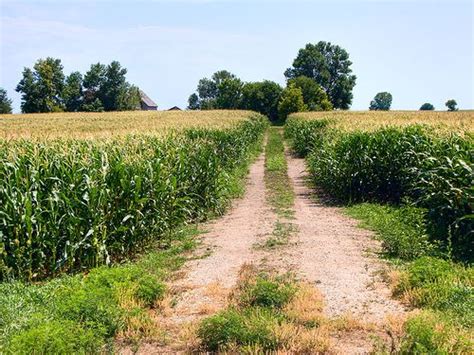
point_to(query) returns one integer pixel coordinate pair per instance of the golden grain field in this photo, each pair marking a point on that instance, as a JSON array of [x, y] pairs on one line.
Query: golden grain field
[[442, 122], [82, 125]]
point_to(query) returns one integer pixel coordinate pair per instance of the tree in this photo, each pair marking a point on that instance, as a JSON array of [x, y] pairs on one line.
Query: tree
[[42, 87], [229, 93], [193, 102], [313, 95], [262, 97], [114, 87], [427, 107], [106, 89], [222, 91], [93, 84], [451, 105], [381, 102], [329, 66], [5, 102], [72, 94], [291, 101]]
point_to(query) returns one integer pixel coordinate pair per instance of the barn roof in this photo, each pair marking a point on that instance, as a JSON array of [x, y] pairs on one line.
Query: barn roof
[[144, 97]]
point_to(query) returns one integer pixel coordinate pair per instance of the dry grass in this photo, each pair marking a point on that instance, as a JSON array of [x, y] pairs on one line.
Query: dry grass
[[88, 125], [442, 122]]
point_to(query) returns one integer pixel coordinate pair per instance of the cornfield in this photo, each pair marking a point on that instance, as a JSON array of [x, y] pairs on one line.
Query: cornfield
[[416, 158], [71, 204]]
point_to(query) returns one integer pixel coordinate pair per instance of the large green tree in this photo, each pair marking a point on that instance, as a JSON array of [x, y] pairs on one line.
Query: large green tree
[[5, 102], [262, 97], [381, 102], [330, 67], [72, 94], [42, 87], [291, 101], [313, 95], [222, 91], [106, 88]]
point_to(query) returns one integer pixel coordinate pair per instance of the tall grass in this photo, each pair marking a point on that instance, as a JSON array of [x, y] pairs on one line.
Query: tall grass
[[68, 205], [395, 164]]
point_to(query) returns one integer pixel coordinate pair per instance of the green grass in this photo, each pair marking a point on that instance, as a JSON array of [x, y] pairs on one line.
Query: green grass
[[280, 191], [401, 229], [442, 288], [82, 313]]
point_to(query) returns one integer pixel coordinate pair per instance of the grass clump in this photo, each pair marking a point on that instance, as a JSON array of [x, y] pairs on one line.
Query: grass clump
[[401, 229], [266, 313], [439, 285], [432, 333]]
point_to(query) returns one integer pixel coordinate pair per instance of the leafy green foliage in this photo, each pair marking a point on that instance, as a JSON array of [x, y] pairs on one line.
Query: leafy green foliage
[[427, 107], [45, 89], [5, 102], [222, 91], [451, 105], [381, 102], [291, 101], [42, 87], [67, 206], [314, 96], [72, 94], [329, 66], [262, 97]]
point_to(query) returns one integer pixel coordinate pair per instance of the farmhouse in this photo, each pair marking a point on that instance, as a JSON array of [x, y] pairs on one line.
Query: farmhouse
[[174, 108], [146, 103]]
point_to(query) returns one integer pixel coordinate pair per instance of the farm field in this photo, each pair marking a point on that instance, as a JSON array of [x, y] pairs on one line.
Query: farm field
[[348, 232], [89, 125]]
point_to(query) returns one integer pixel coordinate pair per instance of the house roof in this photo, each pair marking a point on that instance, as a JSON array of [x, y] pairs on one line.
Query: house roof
[[174, 108], [144, 97]]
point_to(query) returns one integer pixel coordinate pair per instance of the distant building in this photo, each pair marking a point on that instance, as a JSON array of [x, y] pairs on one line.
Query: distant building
[[146, 103], [175, 108]]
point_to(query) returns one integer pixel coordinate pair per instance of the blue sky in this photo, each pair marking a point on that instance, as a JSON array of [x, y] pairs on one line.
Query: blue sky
[[420, 51]]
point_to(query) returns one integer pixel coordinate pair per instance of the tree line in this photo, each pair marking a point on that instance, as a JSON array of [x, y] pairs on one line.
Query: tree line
[[45, 88], [320, 79]]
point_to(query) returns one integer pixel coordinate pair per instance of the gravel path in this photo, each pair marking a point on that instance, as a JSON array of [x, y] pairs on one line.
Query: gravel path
[[334, 253]]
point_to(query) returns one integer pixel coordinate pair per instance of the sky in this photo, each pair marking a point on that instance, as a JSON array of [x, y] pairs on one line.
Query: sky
[[420, 51]]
